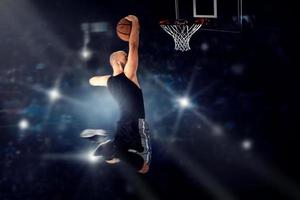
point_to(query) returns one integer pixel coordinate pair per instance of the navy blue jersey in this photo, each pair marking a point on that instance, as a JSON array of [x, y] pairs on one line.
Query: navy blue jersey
[[128, 96]]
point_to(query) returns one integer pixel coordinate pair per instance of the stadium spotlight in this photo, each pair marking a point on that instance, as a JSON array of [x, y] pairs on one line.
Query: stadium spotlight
[[91, 157], [247, 144], [54, 94], [86, 53], [23, 124], [184, 102]]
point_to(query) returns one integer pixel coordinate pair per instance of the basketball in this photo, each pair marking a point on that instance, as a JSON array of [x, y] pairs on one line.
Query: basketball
[[124, 29]]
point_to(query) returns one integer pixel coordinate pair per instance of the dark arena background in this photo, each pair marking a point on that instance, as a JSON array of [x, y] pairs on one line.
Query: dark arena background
[[222, 115]]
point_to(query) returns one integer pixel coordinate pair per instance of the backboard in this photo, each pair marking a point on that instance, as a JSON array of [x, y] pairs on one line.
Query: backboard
[[209, 15], [205, 8], [223, 15]]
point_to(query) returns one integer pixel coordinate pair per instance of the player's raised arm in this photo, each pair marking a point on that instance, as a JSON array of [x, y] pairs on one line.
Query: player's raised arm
[[99, 80], [133, 57]]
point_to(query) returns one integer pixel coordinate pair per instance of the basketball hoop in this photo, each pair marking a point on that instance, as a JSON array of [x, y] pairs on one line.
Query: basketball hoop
[[181, 31]]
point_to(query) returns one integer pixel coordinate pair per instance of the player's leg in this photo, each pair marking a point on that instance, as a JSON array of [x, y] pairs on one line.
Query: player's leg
[[110, 149], [139, 152], [106, 149], [144, 133], [133, 159]]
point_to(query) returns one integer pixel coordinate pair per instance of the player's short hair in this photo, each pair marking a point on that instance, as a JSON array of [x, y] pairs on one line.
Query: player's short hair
[[114, 54]]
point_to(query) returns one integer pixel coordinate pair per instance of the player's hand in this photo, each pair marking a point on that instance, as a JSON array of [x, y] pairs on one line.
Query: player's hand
[[132, 18]]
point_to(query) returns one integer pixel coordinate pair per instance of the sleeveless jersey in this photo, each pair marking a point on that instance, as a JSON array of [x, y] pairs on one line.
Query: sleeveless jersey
[[128, 96]]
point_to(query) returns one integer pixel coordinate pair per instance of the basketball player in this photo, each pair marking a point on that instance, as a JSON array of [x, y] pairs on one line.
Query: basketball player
[[132, 139]]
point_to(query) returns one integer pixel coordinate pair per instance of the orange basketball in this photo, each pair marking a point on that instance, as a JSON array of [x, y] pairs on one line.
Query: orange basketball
[[124, 29]]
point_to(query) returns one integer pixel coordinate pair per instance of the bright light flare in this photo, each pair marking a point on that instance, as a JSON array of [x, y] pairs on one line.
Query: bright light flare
[[86, 53], [184, 102], [92, 158], [23, 124], [247, 144], [54, 94]]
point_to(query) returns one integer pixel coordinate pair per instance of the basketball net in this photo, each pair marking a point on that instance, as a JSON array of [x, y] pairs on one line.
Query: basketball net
[[180, 30], [181, 33]]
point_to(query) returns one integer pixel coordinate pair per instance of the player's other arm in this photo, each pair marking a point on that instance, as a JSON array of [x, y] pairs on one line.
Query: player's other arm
[[99, 80], [133, 57]]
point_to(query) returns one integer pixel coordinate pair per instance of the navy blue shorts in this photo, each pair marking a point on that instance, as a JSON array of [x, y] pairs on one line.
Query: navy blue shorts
[[132, 142]]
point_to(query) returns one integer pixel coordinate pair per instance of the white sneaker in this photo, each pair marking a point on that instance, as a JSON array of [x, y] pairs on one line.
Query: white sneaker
[[88, 133], [95, 135]]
